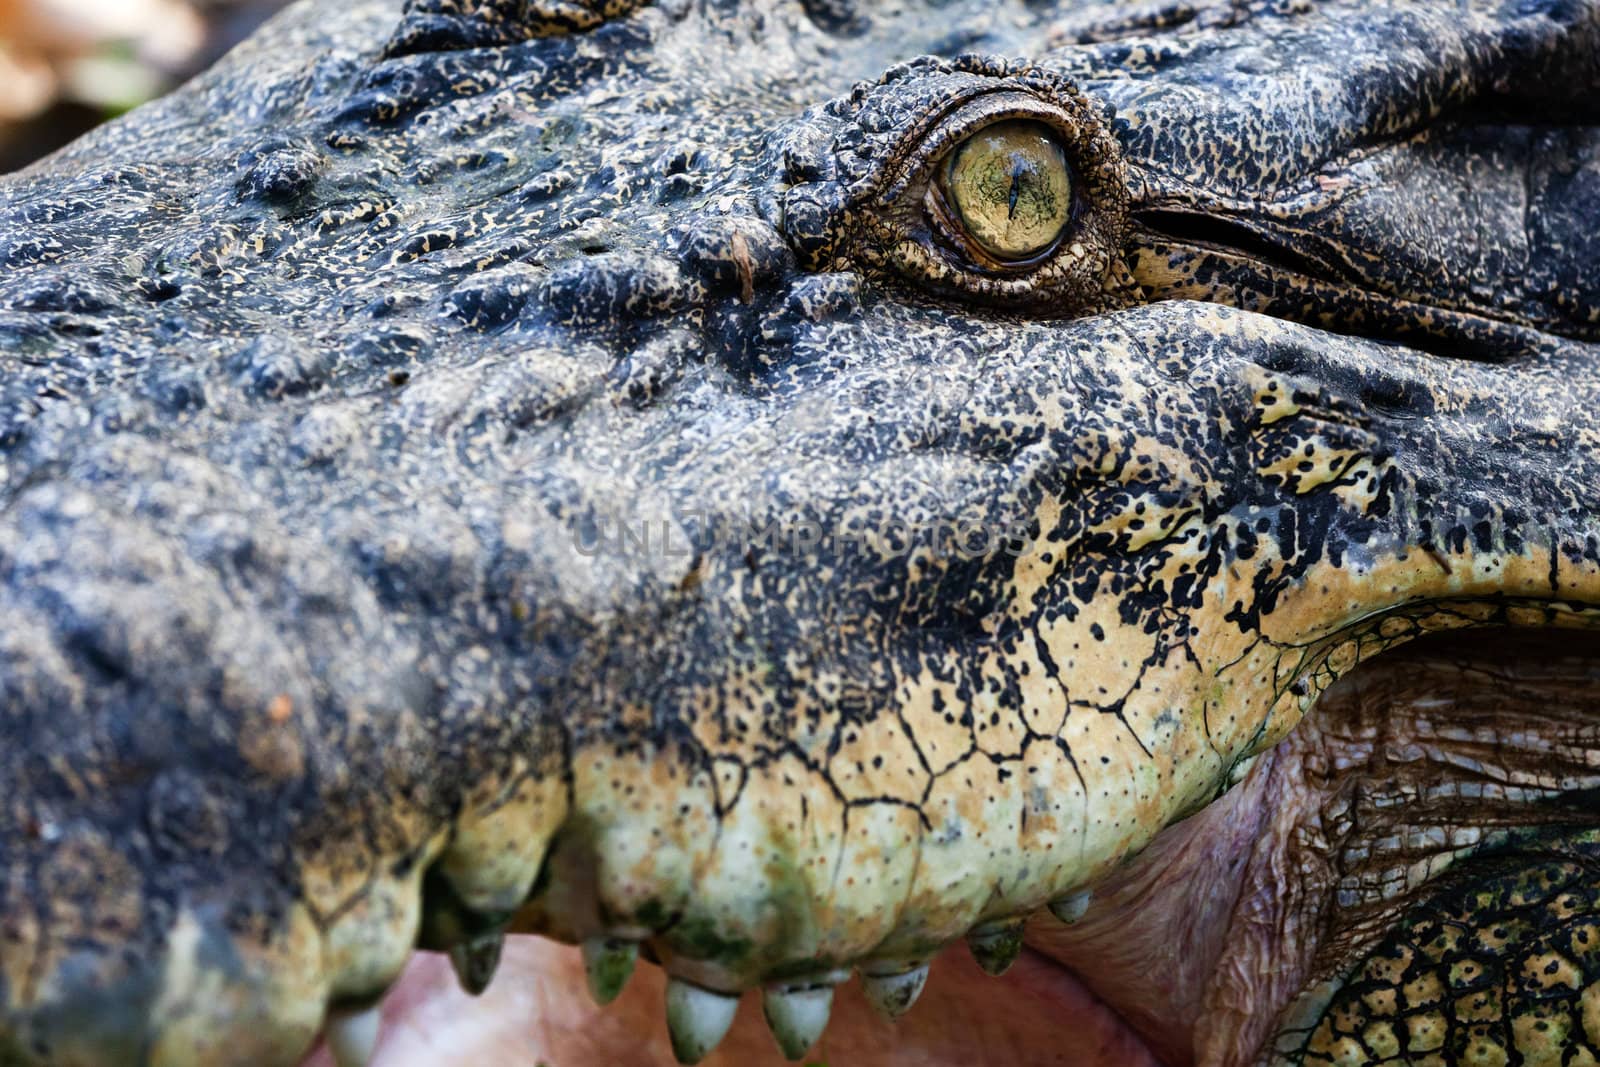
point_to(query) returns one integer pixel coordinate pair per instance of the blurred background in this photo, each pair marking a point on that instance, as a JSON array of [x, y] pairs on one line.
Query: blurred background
[[67, 65]]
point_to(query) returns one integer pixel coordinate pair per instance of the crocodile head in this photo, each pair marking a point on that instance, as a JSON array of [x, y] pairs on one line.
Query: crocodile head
[[776, 488]]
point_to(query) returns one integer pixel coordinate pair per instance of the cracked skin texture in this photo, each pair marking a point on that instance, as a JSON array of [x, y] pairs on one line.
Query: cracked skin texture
[[488, 465]]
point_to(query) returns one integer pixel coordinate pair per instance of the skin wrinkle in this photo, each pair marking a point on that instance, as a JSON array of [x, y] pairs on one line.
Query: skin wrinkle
[[1272, 934]]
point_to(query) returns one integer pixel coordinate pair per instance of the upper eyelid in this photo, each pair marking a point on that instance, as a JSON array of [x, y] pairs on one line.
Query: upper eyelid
[[936, 136]]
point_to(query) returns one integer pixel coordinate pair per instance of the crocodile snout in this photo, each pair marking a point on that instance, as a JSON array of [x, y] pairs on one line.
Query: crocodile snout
[[569, 476], [755, 674]]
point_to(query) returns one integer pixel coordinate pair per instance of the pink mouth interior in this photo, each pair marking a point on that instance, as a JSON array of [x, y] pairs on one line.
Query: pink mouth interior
[[538, 1011]]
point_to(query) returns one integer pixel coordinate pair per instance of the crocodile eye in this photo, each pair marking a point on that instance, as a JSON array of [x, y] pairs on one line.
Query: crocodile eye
[[1010, 189], [996, 184]]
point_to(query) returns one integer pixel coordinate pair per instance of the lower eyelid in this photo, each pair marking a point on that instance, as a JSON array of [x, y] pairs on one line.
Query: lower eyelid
[[952, 235]]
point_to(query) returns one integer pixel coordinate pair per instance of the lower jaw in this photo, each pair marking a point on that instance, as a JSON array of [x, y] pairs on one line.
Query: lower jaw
[[538, 1012]]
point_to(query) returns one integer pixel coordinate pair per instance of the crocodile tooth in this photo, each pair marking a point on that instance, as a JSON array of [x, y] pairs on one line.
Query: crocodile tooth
[[995, 945], [475, 961], [893, 994], [797, 1015], [697, 1019], [353, 1035], [608, 962], [1070, 908]]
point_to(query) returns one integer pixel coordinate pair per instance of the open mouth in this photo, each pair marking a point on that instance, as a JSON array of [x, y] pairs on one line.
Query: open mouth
[[537, 1012], [1193, 951]]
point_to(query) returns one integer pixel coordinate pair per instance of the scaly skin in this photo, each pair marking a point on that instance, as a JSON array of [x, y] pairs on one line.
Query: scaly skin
[[346, 388]]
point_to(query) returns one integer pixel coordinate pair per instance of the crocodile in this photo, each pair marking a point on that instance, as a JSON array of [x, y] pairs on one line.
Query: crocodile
[[780, 487]]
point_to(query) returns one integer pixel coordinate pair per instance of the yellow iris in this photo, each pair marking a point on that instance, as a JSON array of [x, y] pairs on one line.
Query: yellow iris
[[1010, 185]]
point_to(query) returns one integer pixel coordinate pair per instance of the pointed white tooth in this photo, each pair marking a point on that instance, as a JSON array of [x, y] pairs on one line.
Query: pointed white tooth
[[608, 964], [353, 1036], [893, 994], [475, 962], [995, 945], [797, 1015], [1070, 908], [697, 1019]]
